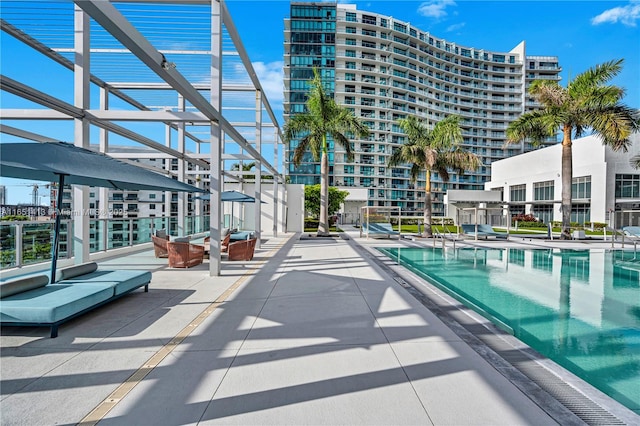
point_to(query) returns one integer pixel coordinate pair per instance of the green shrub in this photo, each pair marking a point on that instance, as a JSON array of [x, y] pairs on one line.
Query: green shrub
[[535, 224]]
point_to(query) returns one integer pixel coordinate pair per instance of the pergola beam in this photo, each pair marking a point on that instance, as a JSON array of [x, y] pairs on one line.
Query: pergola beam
[[105, 14], [55, 56], [43, 99]]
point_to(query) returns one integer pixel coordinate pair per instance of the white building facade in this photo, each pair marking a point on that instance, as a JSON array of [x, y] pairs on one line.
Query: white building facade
[[605, 188]]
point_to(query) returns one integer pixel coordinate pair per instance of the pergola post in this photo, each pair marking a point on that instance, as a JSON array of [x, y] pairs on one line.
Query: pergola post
[[258, 171], [216, 138], [81, 99]]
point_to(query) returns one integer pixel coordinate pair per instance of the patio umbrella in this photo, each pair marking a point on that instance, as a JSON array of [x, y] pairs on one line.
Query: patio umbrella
[[232, 196], [67, 164]]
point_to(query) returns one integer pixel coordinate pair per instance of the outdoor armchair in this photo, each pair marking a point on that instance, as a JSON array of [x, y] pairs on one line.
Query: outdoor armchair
[[184, 255], [242, 250], [160, 246], [224, 244]]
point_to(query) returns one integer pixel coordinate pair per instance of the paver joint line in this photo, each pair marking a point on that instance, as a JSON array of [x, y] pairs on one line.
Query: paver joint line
[[103, 408]]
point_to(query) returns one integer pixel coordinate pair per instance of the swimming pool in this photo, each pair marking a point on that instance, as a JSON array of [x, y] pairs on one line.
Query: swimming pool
[[580, 308]]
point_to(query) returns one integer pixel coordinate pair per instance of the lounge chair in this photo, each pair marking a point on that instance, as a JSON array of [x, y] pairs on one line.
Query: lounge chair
[[377, 229], [631, 231], [484, 231], [184, 254], [31, 301]]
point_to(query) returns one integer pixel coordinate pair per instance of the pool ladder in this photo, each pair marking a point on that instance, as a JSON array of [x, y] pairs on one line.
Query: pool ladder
[[443, 237], [614, 237]]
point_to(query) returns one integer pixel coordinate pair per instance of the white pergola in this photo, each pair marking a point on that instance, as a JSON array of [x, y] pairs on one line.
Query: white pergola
[[174, 68]]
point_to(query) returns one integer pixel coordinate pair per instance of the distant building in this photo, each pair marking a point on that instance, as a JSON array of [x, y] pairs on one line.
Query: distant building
[[605, 187], [3, 195], [385, 69]]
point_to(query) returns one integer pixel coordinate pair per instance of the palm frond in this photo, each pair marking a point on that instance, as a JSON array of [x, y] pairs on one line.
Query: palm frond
[[548, 92], [415, 172], [635, 161], [593, 77], [446, 134], [614, 125], [534, 125]]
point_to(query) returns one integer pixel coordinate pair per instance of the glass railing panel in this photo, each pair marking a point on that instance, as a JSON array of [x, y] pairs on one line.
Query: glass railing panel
[[119, 233], [96, 235], [143, 230], [35, 238], [36, 242], [7, 245]]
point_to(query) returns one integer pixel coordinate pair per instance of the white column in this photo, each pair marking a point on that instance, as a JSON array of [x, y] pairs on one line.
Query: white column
[[167, 167], [104, 206], [182, 196], [276, 188], [215, 140], [258, 170], [81, 99]]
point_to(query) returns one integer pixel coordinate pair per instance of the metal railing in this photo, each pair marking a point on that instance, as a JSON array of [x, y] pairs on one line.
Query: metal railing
[[29, 242]]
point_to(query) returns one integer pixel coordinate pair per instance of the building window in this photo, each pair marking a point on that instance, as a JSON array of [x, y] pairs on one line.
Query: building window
[[543, 190], [627, 186], [152, 196], [544, 212], [351, 17], [351, 30], [581, 188], [367, 19], [517, 193], [152, 206], [581, 213]]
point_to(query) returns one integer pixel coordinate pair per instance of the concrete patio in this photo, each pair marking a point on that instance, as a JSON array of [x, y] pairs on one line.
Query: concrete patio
[[311, 331]]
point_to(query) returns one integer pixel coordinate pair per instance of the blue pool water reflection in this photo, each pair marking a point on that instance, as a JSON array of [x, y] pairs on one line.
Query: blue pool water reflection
[[580, 308]]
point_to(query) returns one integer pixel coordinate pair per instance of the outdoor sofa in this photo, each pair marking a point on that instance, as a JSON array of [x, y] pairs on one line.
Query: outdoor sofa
[[32, 301]]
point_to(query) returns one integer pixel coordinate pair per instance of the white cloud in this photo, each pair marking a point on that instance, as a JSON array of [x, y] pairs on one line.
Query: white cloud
[[456, 27], [626, 15], [435, 8], [271, 76]]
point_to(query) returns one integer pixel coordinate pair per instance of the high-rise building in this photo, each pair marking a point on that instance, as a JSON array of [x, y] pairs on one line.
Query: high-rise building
[[385, 69], [3, 195]]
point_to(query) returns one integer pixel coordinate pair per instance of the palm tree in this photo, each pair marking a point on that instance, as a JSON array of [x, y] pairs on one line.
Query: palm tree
[[586, 103], [322, 118], [434, 149], [245, 168]]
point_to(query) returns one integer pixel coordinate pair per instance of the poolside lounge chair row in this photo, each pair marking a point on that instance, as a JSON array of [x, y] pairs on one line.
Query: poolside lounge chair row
[[378, 229], [32, 301], [481, 231]]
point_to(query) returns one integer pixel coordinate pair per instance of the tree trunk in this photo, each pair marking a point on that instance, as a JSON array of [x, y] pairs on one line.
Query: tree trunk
[[323, 223], [567, 174], [427, 206]]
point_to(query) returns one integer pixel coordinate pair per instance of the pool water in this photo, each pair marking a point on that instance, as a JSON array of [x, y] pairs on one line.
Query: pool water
[[580, 308]]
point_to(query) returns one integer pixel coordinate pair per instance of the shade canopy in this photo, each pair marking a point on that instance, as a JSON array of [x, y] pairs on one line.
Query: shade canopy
[[232, 196], [79, 166], [68, 164]]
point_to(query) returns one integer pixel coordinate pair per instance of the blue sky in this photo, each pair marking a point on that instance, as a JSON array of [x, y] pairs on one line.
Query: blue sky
[[580, 33]]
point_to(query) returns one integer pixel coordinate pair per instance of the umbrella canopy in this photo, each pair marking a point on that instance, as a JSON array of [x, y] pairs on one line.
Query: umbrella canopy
[[233, 196], [47, 161], [68, 164]]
